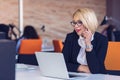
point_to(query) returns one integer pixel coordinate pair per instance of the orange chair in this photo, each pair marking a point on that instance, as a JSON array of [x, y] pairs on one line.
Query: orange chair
[[30, 46], [113, 56], [58, 45], [27, 51]]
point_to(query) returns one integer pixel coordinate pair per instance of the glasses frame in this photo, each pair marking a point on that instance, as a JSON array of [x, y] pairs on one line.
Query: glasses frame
[[79, 23]]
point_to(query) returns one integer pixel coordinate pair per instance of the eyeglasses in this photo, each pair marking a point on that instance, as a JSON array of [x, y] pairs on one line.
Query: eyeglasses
[[73, 23]]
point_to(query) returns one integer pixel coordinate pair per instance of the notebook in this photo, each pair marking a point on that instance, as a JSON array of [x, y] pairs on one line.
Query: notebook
[[53, 65]]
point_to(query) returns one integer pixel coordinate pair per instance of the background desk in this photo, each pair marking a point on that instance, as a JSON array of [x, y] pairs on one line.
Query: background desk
[[48, 49], [32, 73]]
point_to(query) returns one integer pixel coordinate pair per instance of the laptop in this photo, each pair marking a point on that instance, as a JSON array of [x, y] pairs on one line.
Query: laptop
[[53, 65]]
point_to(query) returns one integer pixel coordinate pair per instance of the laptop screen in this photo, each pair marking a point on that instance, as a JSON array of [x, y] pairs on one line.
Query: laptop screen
[[52, 64]]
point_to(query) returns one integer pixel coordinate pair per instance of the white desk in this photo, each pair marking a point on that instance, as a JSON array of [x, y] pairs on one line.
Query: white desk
[[48, 48], [32, 73]]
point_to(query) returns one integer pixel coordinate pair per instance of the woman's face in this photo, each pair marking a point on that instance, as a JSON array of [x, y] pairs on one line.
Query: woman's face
[[78, 27]]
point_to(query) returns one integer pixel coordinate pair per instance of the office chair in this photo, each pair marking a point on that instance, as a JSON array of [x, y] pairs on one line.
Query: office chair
[[58, 45], [27, 51], [7, 59], [112, 58]]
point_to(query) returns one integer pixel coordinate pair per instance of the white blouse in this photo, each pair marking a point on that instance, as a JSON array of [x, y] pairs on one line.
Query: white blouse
[[82, 54]]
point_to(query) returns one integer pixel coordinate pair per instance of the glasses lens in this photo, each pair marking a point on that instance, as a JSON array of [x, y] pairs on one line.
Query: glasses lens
[[73, 23], [79, 23]]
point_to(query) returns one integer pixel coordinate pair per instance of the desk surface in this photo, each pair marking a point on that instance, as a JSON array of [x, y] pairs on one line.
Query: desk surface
[[32, 73], [28, 72], [48, 48]]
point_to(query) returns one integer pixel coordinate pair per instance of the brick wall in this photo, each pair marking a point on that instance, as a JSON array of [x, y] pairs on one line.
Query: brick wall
[[54, 14], [9, 11], [57, 14]]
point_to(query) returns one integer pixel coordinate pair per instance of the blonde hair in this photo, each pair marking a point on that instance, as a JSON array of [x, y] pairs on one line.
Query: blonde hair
[[88, 18]]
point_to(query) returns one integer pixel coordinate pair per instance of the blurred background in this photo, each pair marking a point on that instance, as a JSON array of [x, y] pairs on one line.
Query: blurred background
[[51, 18]]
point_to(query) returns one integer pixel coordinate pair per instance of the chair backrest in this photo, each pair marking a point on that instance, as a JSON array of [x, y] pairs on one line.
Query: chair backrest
[[2, 35], [117, 35], [30, 46], [58, 45], [7, 59], [113, 56]]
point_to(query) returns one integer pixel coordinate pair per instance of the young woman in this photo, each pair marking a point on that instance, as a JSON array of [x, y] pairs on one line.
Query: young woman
[[28, 33], [85, 49]]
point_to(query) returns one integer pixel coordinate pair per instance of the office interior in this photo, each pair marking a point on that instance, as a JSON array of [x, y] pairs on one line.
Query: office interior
[[51, 19]]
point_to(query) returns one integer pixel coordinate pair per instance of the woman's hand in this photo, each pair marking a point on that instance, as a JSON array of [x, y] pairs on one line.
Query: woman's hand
[[87, 34], [83, 68]]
